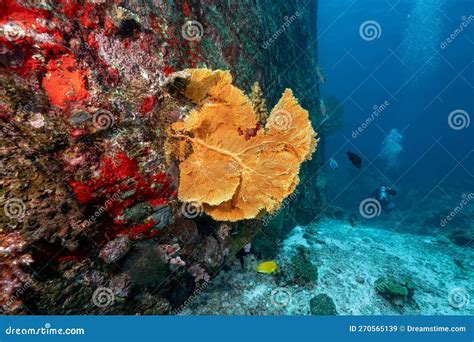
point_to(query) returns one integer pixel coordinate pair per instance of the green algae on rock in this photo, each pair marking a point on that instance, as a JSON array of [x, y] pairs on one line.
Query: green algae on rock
[[304, 271], [395, 291], [322, 305]]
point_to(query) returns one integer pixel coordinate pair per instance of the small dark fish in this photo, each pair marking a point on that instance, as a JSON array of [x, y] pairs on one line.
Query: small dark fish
[[242, 253], [352, 220], [391, 192], [355, 159]]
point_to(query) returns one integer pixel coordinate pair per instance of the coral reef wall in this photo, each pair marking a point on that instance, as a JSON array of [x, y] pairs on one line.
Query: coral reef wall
[[90, 221]]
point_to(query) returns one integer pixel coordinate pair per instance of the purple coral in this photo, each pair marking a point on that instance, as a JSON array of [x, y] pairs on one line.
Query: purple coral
[[170, 254], [199, 273], [224, 231], [115, 249]]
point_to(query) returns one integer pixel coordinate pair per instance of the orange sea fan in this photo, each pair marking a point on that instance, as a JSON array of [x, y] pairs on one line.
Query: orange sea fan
[[238, 169]]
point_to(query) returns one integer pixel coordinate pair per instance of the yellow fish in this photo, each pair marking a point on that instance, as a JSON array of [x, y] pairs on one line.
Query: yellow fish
[[267, 267]]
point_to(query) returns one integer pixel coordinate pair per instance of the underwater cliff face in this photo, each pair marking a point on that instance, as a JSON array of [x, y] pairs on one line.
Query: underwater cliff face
[[176, 157], [92, 223]]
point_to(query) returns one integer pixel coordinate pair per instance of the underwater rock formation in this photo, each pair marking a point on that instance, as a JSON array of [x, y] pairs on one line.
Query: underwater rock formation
[[396, 291], [322, 304], [332, 114], [302, 268], [233, 156], [88, 92], [115, 249], [12, 277]]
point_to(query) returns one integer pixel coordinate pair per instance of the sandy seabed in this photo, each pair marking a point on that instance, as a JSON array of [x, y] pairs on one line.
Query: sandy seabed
[[349, 261]]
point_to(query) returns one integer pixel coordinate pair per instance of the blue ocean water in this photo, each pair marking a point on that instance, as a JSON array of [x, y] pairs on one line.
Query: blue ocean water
[[416, 57]]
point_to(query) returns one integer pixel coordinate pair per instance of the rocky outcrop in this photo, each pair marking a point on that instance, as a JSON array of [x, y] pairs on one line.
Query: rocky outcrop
[[322, 305], [88, 92], [395, 291]]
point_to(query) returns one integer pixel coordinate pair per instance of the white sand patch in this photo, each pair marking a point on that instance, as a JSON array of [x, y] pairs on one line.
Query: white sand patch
[[349, 261], [295, 239]]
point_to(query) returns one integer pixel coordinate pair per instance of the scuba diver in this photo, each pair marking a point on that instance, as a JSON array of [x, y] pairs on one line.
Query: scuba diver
[[384, 195]]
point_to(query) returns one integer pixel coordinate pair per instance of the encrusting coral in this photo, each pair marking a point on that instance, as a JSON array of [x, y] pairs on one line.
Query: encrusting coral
[[259, 103], [238, 169], [13, 279], [87, 94]]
